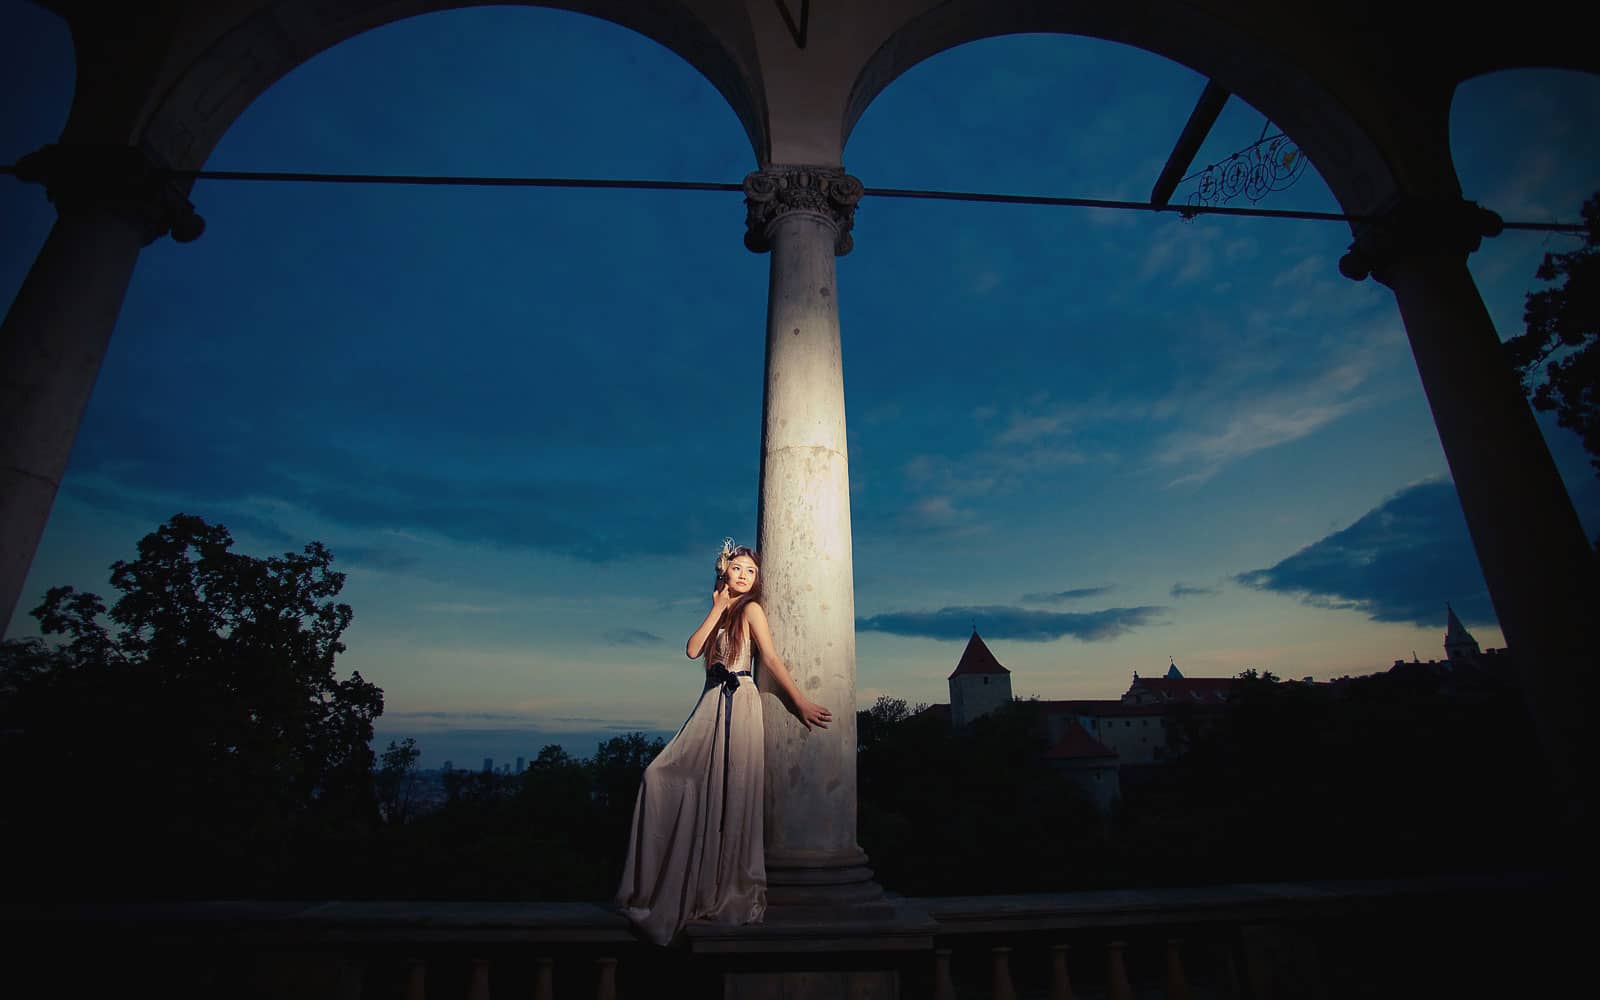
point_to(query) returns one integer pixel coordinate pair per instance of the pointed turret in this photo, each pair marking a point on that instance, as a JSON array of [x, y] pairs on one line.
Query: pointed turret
[[1459, 645], [979, 684], [976, 659], [1173, 673]]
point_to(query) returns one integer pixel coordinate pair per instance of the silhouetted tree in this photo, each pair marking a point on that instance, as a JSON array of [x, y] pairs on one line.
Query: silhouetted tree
[[200, 742], [971, 809], [1399, 773], [1558, 355], [615, 771], [396, 779], [1403, 772], [556, 831], [872, 724]]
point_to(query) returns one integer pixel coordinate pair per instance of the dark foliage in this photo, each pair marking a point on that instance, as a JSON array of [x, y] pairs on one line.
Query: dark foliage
[[1405, 773], [201, 742], [972, 810], [203, 746], [1558, 355], [555, 832]]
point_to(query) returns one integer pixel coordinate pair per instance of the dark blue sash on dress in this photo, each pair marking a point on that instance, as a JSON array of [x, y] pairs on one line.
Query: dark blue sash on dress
[[728, 680]]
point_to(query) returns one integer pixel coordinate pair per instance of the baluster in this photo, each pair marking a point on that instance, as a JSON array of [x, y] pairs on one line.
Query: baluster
[[416, 979], [944, 988], [1229, 974], [605, 987], [478, 989], [544, 979], [1117, 987], [1177, 983], [1001, 962], [351, 972], [1060, 982], [1257, 963]]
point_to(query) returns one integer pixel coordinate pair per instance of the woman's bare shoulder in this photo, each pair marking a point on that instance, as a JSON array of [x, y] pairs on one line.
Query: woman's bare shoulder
[[754, 612]]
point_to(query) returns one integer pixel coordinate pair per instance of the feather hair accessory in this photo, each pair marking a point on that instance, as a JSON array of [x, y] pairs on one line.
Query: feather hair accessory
[[722, 557]]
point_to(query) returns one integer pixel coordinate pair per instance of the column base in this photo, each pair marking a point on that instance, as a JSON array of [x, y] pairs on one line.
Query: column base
[[818, 959], [833, 886]]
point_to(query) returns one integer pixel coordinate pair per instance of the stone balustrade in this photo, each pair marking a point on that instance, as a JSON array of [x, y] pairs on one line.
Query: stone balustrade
[[1478, 935]]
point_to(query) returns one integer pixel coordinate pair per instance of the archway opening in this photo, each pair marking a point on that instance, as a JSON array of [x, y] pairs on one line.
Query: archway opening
[[484, 401]]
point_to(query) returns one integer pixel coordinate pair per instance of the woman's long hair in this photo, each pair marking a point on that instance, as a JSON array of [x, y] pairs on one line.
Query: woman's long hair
[[731, 647]]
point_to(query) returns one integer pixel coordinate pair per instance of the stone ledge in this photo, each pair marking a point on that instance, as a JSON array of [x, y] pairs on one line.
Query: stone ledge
[[909, 929], [913, 925], [1205, 904]]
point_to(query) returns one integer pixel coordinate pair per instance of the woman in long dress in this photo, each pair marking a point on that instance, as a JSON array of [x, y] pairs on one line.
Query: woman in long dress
[[695, 852]]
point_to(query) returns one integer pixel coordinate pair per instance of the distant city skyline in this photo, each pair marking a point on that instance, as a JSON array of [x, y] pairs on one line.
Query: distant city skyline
[[523, 420]]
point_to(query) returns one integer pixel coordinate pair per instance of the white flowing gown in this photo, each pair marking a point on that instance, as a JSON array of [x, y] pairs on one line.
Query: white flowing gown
[[695, 852]]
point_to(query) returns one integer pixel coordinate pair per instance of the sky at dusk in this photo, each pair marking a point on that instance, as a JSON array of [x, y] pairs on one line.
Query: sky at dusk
[[524, 419]]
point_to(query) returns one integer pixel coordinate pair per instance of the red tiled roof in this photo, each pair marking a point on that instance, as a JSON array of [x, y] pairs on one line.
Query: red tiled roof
[[977, 659], [1077, 744], [1186, 688], [1100, 708]]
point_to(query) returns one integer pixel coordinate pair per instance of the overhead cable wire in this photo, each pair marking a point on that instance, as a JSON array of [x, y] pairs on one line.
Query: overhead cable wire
[[1186, 211]]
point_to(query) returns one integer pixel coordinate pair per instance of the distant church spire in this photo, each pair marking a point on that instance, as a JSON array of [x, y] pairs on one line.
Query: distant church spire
[[1458, 642], [1173, 673]]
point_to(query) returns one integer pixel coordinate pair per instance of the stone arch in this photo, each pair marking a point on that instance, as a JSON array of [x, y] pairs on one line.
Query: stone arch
[[204, 99], [1351, 161]]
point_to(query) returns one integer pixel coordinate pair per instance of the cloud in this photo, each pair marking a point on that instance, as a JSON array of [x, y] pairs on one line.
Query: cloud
[[1399, 562], [1248, 430], [1181, 254], [453, 608], [1246, 422], [1181, 590], [130, 465], [156, 512], [1062, 596], [373, 557], [1002, 622], [631, 637], [1025, 427]]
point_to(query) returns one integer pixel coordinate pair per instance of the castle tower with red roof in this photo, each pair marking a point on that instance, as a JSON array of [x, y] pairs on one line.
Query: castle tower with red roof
[[979, 684]]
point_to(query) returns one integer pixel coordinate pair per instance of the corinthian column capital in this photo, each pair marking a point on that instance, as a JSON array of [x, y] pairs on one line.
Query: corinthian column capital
[[1417, 228], [825, 193], [123, 181]]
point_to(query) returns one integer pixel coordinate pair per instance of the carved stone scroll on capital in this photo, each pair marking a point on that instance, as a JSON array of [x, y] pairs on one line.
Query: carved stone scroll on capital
[[1417, 227], [825, 192], [123, 180]]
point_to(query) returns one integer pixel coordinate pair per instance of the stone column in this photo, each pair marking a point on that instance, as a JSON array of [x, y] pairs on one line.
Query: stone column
[[110, 202], [1539, 566], [803, 215]]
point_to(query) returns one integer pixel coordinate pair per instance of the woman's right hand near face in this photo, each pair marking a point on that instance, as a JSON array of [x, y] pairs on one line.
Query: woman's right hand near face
[[720, 599]]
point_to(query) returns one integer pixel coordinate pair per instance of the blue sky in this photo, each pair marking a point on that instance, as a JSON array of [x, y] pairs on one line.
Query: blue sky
[[523, 419]]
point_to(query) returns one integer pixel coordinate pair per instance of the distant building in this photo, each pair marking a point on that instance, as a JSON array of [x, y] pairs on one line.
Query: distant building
[[979, 684], [1129, 730], [1136, 733], [488, 765], [1092, 739], [1089, 763], [1174, 688], [1462, 656], [1459, 645], [522, 765]]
